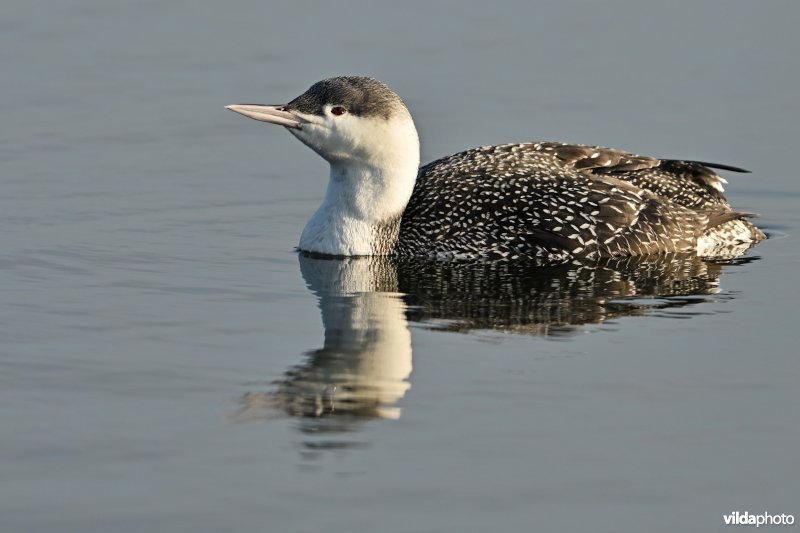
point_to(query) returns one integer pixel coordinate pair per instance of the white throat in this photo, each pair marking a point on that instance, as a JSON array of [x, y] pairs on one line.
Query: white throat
[[368, 189]]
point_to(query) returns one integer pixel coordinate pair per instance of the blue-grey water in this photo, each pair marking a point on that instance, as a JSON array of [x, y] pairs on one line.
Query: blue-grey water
[[168, 363]]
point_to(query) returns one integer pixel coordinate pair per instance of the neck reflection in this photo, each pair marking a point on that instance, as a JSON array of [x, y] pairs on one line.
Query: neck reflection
[[362, 369]]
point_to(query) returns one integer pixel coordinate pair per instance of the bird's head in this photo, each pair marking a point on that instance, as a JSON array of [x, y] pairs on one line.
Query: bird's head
[[346, 120]]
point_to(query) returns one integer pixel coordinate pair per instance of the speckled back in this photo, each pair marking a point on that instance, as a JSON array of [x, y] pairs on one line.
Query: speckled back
[[552, 200]]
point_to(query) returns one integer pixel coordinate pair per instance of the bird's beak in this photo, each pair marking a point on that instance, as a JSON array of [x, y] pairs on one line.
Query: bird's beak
[[268, 113]]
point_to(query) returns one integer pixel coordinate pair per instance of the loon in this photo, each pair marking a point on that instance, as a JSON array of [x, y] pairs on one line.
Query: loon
[[534, 200]]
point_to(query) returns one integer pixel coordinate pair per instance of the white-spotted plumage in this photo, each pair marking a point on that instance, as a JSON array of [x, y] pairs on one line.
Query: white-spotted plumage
[[541, 200]]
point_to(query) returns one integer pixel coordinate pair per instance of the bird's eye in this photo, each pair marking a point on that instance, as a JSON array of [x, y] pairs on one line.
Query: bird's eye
[[338, 110]]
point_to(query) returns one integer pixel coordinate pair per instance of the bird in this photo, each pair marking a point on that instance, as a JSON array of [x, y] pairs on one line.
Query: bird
[[548, 201]]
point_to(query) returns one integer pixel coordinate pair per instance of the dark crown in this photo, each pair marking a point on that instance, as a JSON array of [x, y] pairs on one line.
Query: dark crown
[[359, 95]]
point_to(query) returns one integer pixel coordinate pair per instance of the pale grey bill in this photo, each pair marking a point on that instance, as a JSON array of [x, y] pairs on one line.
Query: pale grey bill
[[267, 113]]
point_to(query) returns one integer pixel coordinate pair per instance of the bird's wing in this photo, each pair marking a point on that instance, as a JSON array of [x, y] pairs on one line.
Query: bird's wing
[[689, 183]]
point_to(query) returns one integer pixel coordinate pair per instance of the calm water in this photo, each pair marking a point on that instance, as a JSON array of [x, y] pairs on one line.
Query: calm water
[[170, 364]]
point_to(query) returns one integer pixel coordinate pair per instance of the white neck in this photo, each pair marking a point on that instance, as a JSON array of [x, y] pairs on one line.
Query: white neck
[[367, 193]]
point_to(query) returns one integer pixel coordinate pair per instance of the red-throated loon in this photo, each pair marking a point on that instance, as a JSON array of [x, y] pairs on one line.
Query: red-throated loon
[[543, 200]]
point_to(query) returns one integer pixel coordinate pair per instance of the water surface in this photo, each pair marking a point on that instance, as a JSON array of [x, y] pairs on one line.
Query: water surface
[[170, 364]]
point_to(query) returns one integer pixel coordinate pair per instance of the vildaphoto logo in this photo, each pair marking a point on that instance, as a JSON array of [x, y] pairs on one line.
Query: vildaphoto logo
[[764, 519]]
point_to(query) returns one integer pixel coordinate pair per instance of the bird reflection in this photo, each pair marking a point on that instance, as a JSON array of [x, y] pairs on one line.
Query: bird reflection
[[363, 368], [552, 299]]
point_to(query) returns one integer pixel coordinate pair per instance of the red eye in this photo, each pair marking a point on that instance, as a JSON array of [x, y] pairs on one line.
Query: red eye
[[338, 110]]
